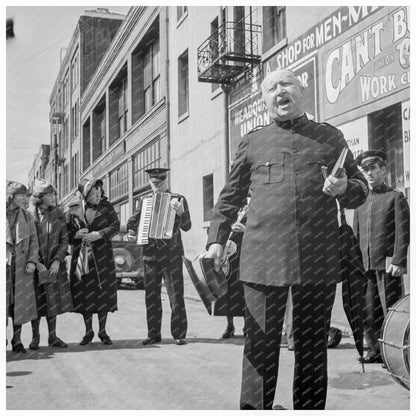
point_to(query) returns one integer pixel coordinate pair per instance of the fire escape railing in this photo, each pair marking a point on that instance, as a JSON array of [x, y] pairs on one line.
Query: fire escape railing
[[228, 52]]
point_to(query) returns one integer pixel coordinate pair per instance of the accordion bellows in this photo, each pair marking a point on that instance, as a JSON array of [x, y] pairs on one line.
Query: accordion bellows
[[157, 218]]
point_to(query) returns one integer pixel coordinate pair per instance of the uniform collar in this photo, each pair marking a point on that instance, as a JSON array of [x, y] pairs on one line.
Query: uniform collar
[[295, 122], [380, 189]]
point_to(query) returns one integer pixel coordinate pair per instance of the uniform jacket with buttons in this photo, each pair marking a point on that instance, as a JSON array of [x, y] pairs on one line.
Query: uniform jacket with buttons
[[382, 226], [291, 234], [169, 249]]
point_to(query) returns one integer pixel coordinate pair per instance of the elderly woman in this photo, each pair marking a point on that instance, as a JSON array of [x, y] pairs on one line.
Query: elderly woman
[[92, 276], [21, 259], [53, 294]]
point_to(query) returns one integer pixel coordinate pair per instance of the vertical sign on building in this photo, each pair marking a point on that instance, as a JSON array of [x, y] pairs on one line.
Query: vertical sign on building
[[406, 142]]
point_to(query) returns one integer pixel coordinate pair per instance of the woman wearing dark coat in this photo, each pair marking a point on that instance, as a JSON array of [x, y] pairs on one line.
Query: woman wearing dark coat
[[53, 294], [21, 259], [92, 274]]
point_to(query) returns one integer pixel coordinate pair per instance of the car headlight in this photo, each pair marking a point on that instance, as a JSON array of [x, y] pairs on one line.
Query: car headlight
[[123, 260]]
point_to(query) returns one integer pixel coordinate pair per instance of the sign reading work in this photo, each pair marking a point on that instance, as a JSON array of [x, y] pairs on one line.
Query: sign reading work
[[370, 64]]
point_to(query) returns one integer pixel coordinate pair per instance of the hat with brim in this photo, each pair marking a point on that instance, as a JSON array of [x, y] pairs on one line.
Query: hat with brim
[[370, 157], [14, 188], [85, 186], [159, 173], [42, 187]]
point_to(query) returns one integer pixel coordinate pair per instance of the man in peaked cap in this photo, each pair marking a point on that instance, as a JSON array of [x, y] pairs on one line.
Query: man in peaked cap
[[382, 228], [291, 240], [163, 260]]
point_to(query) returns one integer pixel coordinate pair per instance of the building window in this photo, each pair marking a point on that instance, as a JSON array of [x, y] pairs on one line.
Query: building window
[[74, 71], [208, 196], [66, 88], [118, 106], [119, 182], [86, 145], [98, 130], [147, 158], [122, 107], [274, 26], [181, 11], [151, 76], [183, 84], [145, 64]]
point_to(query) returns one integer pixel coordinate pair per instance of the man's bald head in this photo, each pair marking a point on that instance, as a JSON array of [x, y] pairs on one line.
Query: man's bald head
[[283, 94]]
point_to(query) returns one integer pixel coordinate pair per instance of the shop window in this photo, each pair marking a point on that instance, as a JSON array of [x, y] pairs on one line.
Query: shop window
[[147, 158], [274, 26], [208, 196], [183, 84], [119, 182]]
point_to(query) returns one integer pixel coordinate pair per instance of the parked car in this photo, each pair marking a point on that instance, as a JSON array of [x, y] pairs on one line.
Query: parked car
[[128, 258]]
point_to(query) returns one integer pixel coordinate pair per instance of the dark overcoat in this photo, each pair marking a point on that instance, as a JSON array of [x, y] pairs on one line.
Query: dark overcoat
[[53, 245], [382, 225], [87, 295], [20, 290], [292, 233], [159, 250]]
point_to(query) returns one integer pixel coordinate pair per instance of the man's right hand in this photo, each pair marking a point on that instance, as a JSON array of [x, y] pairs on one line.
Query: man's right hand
[[131, 235], [41, 268], [215, 252]]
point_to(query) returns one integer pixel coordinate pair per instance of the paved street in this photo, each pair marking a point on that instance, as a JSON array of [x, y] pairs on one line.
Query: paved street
[[204, 374]]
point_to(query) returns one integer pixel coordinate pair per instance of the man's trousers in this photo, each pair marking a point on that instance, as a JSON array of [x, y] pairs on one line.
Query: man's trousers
[[171, 273], [265, 308]]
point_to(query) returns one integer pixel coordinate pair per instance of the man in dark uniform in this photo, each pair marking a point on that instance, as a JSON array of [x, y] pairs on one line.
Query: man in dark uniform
[[163, 259], [382, 227], [291, 240]]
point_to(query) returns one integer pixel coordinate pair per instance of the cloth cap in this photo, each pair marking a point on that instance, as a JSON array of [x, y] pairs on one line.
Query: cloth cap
[[160, 173], [85, 186], [13, 188], [42, 186], [370, 156]]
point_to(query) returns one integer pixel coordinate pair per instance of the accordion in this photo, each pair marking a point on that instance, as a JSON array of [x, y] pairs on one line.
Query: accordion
[[157, 217]]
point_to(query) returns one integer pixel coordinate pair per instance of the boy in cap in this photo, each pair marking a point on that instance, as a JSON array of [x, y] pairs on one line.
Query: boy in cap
[[163, 260], [21, 259], [382, 228]]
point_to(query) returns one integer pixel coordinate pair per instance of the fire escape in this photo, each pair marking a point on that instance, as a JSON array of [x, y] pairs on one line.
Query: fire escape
[[230, 50]]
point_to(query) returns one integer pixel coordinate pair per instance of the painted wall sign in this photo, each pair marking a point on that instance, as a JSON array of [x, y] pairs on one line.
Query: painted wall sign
[[356, 135], [328, 29], [370, 64]]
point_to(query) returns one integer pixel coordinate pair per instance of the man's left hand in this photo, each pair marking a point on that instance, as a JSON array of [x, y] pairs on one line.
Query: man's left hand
[[335, 186], [177, 206], [53, 270], [394, 270]]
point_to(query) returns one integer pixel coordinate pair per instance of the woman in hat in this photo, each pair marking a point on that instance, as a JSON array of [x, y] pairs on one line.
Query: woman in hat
[[53, 294], [92, 275], [21, 259]]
